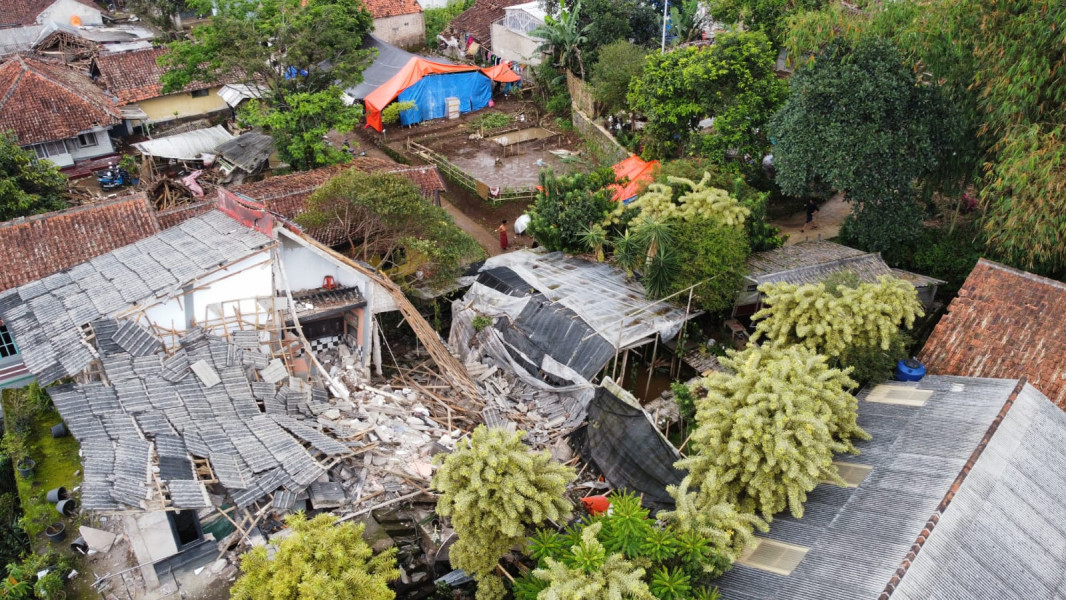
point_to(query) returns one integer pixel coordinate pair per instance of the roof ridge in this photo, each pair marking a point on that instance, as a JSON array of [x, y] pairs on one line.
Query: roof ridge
[[55, 79], [908, 560], [1023, 274]]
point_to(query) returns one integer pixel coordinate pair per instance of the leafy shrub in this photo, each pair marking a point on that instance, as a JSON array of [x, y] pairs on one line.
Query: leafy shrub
[[686, 401], [712, 255], [567, 205], [391, 113], [624, 553], [491, 120], [437, 19], [321, 559], [767, 433], [947, 255], [871, 364], [480, 322], [493, 488]]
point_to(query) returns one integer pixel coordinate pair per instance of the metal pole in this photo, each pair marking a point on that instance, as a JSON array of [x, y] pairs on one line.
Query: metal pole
[[665, 4], [651, 367]]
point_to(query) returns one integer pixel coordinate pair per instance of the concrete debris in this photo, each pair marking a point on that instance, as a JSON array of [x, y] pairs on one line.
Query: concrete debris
[[97, 539]]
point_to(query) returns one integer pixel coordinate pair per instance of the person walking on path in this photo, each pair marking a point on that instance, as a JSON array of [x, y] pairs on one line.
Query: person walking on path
[[812, 208], [502, 230]]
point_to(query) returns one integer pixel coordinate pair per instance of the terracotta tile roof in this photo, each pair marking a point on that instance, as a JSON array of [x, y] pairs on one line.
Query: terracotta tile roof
[[135, 75], [381, 9], [25, 12], [178, 215], [477, 20], [1004, 323], [38, 246], [286, 194], [43, 102]]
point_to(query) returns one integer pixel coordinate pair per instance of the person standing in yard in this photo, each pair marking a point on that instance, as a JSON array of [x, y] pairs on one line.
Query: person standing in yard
[[502, 230], [812, 208]]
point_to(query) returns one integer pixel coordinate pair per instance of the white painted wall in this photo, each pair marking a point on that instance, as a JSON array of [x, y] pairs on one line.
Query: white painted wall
[[243, 281], [62, 10], [103, 146], [305, 268], [514, 46]]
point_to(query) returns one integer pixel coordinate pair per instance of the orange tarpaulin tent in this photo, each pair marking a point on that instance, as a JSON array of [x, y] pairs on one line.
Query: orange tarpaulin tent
[[501, 73], [412, 73], [639, 174]]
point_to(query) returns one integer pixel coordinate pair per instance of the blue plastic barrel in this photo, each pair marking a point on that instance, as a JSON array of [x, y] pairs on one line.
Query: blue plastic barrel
[[909, 369]]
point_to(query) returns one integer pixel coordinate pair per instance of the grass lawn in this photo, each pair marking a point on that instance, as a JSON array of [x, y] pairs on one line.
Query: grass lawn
[[57, 462]]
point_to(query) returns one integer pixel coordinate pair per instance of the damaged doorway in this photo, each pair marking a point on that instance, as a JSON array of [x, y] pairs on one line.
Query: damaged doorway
[[185, 526]]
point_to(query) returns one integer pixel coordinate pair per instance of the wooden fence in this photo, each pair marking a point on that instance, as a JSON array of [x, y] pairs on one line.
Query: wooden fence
[[467, 181]]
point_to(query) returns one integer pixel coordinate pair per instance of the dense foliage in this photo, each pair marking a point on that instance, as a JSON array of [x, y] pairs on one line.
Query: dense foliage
[[320, 559], [712, 255], [493, 488], [732, 81], [624, 552], [619, 62], [610, 21], [857, 122], [998, 62], [299, 122], [269, 41], [767, 16], [27, 186], [683, 200], [767, 432], [567, 205], [563, 35], [831, 319], [386, 219], [437, 19]]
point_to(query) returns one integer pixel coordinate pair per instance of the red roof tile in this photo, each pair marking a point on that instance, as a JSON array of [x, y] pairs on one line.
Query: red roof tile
[[25, 12], [1005, 323], [38, 246], [43, 102], [135, 75], [178, 215], [477, 20], [381, 9], [286, 194]]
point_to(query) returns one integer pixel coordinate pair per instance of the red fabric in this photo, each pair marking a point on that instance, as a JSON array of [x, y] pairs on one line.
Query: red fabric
[[501, 73], [503, 240], [415, 69], [596, 505], [639, 172]]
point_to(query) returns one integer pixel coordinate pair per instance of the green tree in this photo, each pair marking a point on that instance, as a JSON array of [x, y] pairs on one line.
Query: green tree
[[385, 216], [259, 41], [299, 122], [767, 16], [594, 575], [713, 256], [996, 62], [321, 559], [768, 431], [567, 205], [688, 19], [858, 122], [636, 21], [493, 488], [159, 13], [732, 81], [563, 37], [619, 62], [27, 186], [437, 19], [832, 319]]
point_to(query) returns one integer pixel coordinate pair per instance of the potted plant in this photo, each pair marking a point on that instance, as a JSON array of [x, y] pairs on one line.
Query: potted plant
[[56, 532], [15, 448]]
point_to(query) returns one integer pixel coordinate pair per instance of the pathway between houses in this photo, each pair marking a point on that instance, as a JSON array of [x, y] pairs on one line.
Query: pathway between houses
[[828, 219]]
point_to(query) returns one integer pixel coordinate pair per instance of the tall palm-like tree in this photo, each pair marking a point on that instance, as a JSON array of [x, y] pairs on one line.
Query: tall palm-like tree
[[563, 37]]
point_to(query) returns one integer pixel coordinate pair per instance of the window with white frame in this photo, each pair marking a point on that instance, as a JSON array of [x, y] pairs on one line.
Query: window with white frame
[[49, 149], [86, 140], [7, 344]]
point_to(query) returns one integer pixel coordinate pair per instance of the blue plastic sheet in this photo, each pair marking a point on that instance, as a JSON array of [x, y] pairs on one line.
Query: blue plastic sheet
[[473, 89]]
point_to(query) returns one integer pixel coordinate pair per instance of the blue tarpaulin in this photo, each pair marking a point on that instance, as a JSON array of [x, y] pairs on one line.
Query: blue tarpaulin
[[473, 89]]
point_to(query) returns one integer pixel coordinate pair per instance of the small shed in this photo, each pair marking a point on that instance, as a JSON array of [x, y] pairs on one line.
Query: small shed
[[246, 153], [816, 261]]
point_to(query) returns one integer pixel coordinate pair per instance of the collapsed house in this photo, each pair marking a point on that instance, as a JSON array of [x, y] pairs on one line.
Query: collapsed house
[[554, 322], [197, 388]]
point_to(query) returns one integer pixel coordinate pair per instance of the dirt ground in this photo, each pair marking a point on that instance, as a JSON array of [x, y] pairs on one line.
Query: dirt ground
[[827, 221]]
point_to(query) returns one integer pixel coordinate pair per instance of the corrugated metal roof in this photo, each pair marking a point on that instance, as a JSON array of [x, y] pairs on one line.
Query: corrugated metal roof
[[858, 537], [235, 93], [190, 145], [814, 261]]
